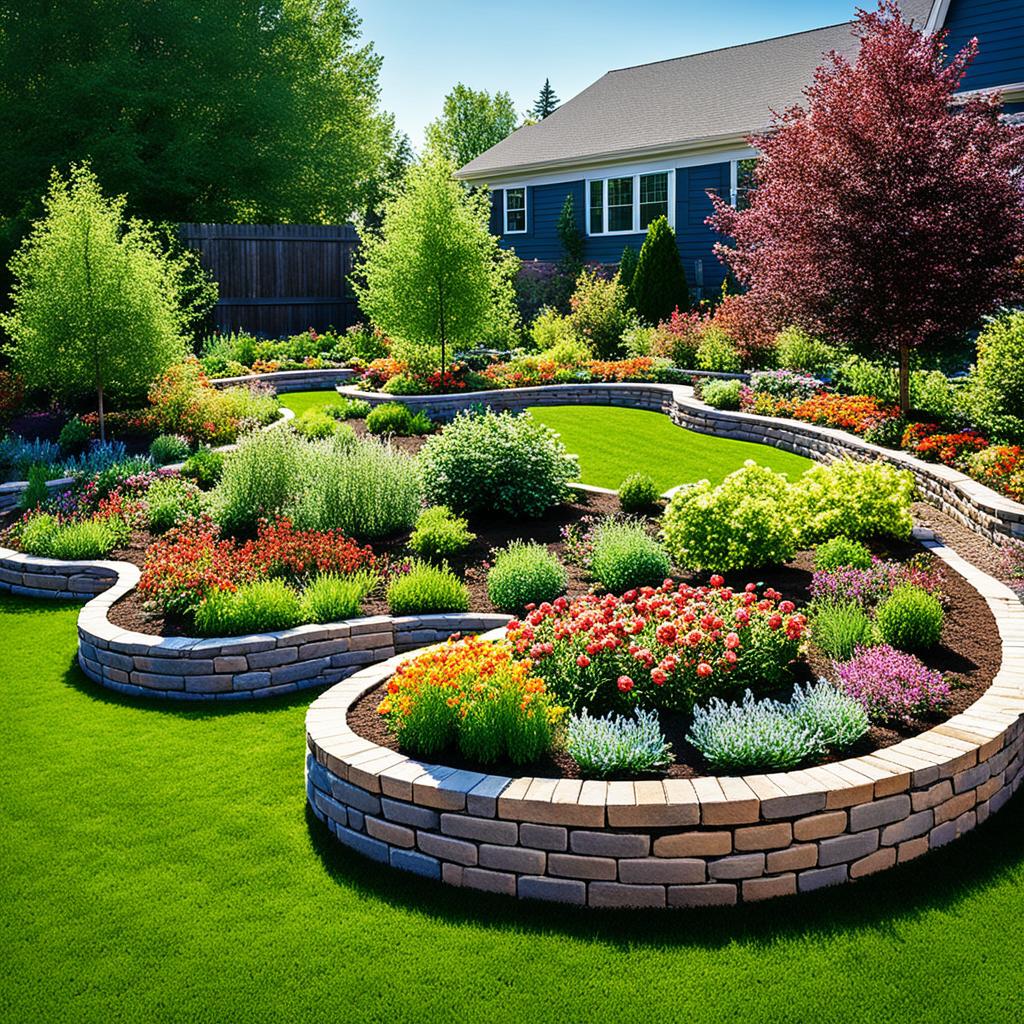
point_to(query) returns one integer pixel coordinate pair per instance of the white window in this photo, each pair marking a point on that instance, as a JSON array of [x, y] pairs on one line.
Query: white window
[[742, 182], [515, 211], [626, 204]]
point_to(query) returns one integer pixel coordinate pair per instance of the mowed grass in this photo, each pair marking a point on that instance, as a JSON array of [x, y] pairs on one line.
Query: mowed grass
[[300, 401], [612, 443], [157, 864]]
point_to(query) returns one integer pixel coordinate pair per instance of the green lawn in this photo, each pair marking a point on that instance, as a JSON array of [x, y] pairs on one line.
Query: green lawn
[[157, 864], [613, 442], [300, 401]]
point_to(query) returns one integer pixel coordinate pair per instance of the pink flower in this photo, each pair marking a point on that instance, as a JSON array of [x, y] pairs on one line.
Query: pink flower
[[625, 684], [704, 669]]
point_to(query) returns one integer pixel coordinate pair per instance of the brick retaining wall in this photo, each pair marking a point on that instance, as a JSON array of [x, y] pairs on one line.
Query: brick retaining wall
[[978, 507], [676, 842]]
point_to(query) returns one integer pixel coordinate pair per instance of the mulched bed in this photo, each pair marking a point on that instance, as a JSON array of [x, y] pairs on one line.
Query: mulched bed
[[967, 654]]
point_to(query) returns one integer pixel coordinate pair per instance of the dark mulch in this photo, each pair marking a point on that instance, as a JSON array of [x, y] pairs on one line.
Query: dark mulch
[[967, 654]]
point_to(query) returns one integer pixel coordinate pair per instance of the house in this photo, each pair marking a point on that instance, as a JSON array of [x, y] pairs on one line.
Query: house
[[652, 139]]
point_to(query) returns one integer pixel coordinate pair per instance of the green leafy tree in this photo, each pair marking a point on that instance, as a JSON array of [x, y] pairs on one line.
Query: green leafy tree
[[198, 110], [472, 121], [659, 283], [98, 305], [398, 158], [546, 102], [434, 274]]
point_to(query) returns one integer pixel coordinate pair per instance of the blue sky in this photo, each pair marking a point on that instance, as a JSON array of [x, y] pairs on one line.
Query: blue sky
[[429, 45]]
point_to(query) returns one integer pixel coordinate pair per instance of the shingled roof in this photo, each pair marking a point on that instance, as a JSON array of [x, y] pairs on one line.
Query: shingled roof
[[716, 96]]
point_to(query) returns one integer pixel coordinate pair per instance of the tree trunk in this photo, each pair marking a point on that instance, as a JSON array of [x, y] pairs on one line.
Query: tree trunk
[[905, 379], [103, 422]]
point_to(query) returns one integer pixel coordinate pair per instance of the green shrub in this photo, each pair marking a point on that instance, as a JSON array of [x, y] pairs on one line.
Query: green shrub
[[36, 534], [204, 466], [166, 448], [314, 424], [567, 353], [838, 627], [638, 493], [347, 409], [600, 314], [389, 418], [36, 492], [625, 556], [996, 389], [722, 394], [910, 618], [742, 523], [798, 350], [839, 719], [439, 533], [364, 488], [935, 396], [717, 351], [259, 479], [854, 499], [90, 538], [427, 588], [658, 285], [524, 574], [617, 745], [840, 552], [627, 266], [887, 432], [497, 463], [74, 436], [859, 376], [497, 728], [550, 329], [171, 501], [260, 607], [332, 598]]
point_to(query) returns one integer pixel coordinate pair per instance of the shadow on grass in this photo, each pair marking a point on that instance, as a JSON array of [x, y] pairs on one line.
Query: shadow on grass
[[935, 882]]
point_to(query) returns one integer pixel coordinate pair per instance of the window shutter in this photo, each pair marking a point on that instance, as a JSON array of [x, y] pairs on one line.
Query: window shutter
[[497, 212]]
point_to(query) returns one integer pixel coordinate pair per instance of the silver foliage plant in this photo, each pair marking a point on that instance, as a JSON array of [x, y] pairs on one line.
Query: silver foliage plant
[[615, 743], [759, 734]]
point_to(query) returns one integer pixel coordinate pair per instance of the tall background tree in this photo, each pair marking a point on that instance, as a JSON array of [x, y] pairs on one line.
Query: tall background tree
[[202, 110], [434, 274], [471, 122], [887, 214], [546, 102], [98, 304]]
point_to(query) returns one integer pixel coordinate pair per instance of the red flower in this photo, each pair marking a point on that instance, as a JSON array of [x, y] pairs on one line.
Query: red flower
[[625, 684]]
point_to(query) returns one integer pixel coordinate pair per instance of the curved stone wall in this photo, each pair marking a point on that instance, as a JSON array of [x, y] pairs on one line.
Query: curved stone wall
[[287, 381], [674, 842], [231, 668], [979, 507]]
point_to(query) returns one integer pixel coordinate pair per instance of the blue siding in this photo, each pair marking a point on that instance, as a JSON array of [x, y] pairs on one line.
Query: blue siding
[[999, 26], [544, 204]]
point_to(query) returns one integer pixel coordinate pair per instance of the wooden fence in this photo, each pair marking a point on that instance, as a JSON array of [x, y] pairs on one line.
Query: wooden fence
[[278, 279]]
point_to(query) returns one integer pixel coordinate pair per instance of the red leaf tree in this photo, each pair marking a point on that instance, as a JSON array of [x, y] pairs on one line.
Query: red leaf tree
[[888, 213]]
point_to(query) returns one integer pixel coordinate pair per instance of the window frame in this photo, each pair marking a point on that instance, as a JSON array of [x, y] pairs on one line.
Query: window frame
[[608, 174], [505, 211], [734, 180]]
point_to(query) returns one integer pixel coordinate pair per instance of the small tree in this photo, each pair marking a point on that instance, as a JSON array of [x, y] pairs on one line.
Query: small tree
[[627, 266], [888, 213], [472, 121], [658, 285], [434, 274], [546, 102], [571, 237], [97, 303]]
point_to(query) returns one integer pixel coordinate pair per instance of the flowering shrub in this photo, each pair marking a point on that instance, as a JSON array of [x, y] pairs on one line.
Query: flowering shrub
[[722, 394], [475, 694], [600, 314], [616, 370], [1000, 467], [868, 586], [378, 372], [785, 384], [949, 448], [667, 647], [855, 413], [743, 522], [892, 686], [678, 338], [616, 744], [743, 321]]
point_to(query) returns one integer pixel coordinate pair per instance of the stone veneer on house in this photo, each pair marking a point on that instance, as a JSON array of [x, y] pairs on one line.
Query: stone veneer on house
[[675, 842], [968, 501]]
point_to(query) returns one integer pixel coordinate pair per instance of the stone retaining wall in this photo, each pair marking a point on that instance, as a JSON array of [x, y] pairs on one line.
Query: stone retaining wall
[[676, 842], [287, 381], [969, 502], [233, 668]]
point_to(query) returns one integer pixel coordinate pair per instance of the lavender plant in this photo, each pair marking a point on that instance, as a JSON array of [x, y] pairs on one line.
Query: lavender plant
[[616, 744]]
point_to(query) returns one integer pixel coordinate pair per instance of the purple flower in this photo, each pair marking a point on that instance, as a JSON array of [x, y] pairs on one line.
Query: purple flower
[[868, 586], [892, 686]]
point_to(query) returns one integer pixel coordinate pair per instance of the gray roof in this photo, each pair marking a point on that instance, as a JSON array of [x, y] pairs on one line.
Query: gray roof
[[674, 104]]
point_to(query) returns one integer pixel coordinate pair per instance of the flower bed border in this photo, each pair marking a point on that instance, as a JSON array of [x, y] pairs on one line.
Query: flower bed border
[[971, 503], [230, 668], [675, 842]]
